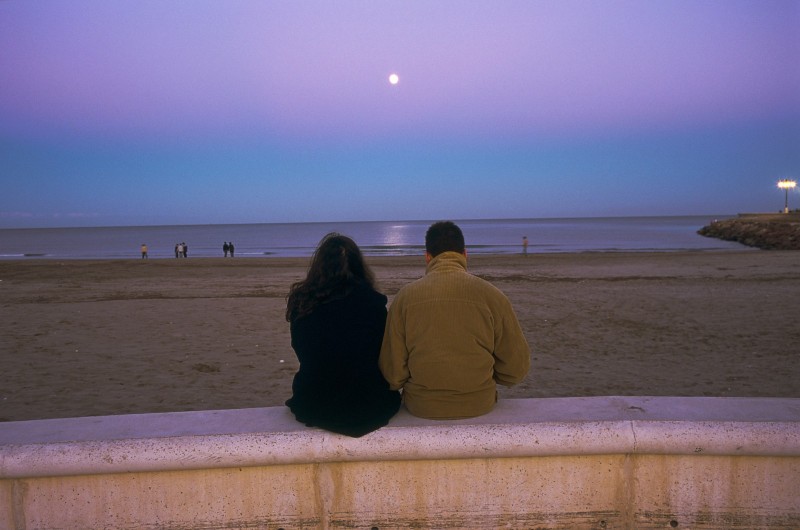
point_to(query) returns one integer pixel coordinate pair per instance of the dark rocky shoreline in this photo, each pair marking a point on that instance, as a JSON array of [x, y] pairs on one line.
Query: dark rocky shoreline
[[765, 231]]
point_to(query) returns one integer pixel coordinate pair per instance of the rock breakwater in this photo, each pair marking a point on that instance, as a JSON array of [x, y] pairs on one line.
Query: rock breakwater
[[765, 231]]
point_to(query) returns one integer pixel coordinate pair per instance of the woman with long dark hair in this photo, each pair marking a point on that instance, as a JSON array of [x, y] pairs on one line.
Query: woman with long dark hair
[[337, 320]]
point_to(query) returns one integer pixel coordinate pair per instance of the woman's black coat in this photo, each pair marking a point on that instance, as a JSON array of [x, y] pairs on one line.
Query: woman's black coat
[[339, 386]]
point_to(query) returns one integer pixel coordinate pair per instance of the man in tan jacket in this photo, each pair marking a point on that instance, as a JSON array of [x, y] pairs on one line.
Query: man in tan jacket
[[451, 336]]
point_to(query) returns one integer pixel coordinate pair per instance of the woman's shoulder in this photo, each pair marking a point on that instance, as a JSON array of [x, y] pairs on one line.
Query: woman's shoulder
[[359, 298], [369, 293]]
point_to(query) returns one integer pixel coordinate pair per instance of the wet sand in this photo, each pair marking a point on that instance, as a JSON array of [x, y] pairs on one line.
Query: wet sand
[[86, 338]]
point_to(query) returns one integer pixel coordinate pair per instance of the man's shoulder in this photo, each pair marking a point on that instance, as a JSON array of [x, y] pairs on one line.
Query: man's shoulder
[[412, 286], [463, 279], [486, 290]]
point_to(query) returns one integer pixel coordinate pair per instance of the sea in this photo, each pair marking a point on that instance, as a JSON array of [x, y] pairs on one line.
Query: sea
[[376, 238]]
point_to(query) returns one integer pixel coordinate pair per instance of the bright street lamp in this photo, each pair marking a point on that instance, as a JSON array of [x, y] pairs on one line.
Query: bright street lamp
[[786, 185]]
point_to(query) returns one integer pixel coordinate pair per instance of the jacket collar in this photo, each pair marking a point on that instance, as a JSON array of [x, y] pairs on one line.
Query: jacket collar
[[447, 262]]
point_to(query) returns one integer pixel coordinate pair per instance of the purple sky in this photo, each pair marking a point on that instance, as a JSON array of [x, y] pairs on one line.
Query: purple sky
[[162, 112]]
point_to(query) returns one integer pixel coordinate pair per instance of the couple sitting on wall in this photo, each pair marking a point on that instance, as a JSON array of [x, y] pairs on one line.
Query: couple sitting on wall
[[449, 337]]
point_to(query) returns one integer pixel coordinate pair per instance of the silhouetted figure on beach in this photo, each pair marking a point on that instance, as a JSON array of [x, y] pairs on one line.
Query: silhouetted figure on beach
[[336, 320], [185, 250], [143, 249], [177, 254], [230, 248], [226, 248]]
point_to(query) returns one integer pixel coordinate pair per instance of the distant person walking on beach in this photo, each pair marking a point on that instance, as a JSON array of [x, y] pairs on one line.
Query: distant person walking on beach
[[336, 320], [177, 254], [451, 336], [230, 247], [225, 248], [185, 250], [143, 249], [525, 245]]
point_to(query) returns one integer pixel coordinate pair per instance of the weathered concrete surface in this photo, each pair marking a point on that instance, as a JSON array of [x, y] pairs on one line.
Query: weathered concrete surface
[[716, 492], [616, 462]]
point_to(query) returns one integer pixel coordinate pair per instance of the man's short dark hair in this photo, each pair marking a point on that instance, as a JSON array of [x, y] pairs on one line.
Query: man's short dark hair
[[444, 236]]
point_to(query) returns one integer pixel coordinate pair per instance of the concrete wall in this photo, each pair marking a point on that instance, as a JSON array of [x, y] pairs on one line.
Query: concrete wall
[[608, 462]]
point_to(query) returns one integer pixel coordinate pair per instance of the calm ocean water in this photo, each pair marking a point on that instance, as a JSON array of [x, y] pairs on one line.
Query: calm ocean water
[[392, 238]]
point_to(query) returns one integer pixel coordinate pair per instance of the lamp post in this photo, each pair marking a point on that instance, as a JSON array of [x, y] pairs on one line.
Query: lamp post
[[786, 185]]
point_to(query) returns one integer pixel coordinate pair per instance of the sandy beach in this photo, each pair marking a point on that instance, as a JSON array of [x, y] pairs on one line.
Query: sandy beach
[[86, 338]]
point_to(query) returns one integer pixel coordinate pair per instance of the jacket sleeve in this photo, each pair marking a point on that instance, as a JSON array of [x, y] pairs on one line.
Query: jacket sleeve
[[393, 360], [512, 353]]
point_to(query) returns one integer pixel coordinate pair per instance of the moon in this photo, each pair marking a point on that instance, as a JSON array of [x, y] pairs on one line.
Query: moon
[[394, 79]]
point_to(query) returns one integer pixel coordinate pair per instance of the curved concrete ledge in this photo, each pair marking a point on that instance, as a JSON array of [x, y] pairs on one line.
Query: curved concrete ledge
[[578, 463], [516, 428]]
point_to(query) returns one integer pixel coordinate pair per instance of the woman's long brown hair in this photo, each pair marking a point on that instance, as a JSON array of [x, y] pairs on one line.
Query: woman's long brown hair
[[336, 268]]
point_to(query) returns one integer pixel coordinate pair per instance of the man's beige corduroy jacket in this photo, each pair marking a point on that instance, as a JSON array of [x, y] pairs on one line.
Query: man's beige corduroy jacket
[[450, 336]]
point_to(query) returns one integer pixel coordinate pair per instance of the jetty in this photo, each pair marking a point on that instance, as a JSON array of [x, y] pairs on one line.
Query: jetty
[[778, 231]]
